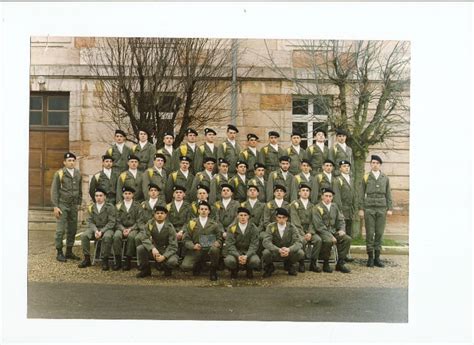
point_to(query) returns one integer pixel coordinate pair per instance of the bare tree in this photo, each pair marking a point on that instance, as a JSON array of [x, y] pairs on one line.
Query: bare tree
[[162, 84]]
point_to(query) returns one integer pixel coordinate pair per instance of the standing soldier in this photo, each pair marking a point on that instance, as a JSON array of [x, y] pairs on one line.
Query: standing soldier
[[254, 206], [66, 196], [129, 214], [187, 150], [239, 181], [101, 224], [282, 177], [206, 150], [167, 151], [230, 149], [156, 175], [296, 153], [144, 150], [242, 245], [318, 152], [281, 241], [179, 214], [160, 244], [119, 152], [251, 154], [182, 177], [269, 212], [340, 150], [375, 204], [226, 208], [325, 179], [105, 179], [204, 177], [271, 153], [305, 177], [259, 181], [328, 222], [218, 180], [301, 217], [131, 178], [203, 241]]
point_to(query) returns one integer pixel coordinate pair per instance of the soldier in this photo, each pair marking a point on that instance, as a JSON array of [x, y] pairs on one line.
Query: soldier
[[269, 212], [296, 153], [318, 152], [301, 218], [220, 178], [328, 222], [242, 245], [281, 241], [144, 150], [326, 178], [179, 214], [226, 208], [204, 177], [230, 149], [259, 181], [345, 197], [251, 154], [156, 175], [119, 152], [254, 206], [66, 196], [182, 177], [187, 150], [271, 153], [305, 177], [153, 199], [101, 224], [105, 179], [340, 151], [239, 181], [167, 151], [129, 214], [282, 177], [131, 178], [375, 204], [206, 150], [203, 241], [160, 244]]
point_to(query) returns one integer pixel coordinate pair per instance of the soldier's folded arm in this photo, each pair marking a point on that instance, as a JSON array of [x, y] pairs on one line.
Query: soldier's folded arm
[[267, 240]]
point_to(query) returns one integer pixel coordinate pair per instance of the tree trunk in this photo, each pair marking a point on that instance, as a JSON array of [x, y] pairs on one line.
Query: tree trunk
[[358, 171]]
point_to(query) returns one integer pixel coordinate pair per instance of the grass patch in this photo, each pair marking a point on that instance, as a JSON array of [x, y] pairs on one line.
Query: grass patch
[[359, 241]]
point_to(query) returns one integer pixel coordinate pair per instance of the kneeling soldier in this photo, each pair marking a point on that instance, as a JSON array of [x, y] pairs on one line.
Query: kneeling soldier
[[242, 244], [160, 244], [101, 223], [281, 241], [328, 222], [203, 241]]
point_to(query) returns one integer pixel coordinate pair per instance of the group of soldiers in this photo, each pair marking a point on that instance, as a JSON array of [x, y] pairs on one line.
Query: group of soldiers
[[239, 208]]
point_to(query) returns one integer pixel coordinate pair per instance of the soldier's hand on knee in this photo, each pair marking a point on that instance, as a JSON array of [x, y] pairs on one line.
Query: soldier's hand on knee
[[361, 213], [160, 258], [98, 234], [341, 233], [216, 244], [333, 240], [57, 212], [197, 246], [155, 252]]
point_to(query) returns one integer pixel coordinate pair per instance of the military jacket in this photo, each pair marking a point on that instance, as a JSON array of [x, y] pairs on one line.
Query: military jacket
[[238, 243], [168, 164], [240, 188], [226, 215], [317, 157], [337, 154], [376, 192], [66, 189], [230, 153], [262, 188], [147, 210], [126, 179], [164, 240], [181, 217], [103, 220], [201, 178], [129, 219], [120, 159], [269, 211], [295, 159], [270, 157], [345, 196], [256, 213], [216, 186], [101, 180], [302, 217], [183, 150], [290, 239], [276, 177], [250, 158], [311, 182], [151, 175], [325, 221], [145, 154], [204, 151], [323, 182], [194, 230], [177, 178]]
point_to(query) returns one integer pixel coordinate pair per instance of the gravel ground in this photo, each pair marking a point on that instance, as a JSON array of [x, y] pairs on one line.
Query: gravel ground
[[43, 267]]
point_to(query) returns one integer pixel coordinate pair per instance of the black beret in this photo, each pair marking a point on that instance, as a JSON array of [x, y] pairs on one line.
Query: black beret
[[128, 189], [160, 155], [185, 159], [328, 161], [253, 186], [204, 203], [279, 186], [280, 211], [344, 162], [273, 134], [340, 131], [160, 208], [181, 188], [168, 133], [319, 130], [209, 159], [251, 135], [296, 134], [376, 158], [223, 160], [258, 165], [130, 157], [153, 185], [284, 159], [241, 162], [304, 185], [327, 190], [209, 130], [307, 161], [147, 131], [202, 186], [119, 131], [69, 155], [233, 128], [105, 157], [100, 190], [227, 185], [243, 209], [191, 130]]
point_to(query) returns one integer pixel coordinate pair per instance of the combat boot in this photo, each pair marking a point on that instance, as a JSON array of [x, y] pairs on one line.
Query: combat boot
[[326, 267], [128, 263], [145, 272], [301, 267], [249, 273], [167, 272], [292, 270], [60, 256], [268, 270], [213, 274], [370, 260], [86, 262], [341, 267], [313, 267], [70, 255], [377, 261], [105, 264], [118, 263], [234, 273], [197, 269]]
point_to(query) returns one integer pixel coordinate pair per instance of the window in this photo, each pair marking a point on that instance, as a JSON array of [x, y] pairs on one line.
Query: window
[[310, 113], [49, 110]]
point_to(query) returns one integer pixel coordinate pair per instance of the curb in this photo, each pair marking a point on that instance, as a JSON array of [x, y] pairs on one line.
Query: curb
[[393, 250]]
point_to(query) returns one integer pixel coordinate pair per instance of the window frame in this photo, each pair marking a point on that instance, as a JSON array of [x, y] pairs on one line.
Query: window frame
[[45, 103]]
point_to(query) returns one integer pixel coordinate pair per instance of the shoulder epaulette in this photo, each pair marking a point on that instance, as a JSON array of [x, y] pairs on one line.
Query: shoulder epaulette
[[174, 176], [335, 149], [202, 148], [150, 172], [298, 178], [218, 179], [201, 176], [150, 227], [134, 148], [288, 150], [320, 210], [218, 205], [275, 175], [236, 181], [184, 150], [273, 229], [60, 175], [311, 149], [320, 177], [245, 154], [123, 176], [90, 208], [265, 150], [224, 146], [242, 204], [340, 181], [168, 207], [366, 177], [119, 205], [233, 228], [269, 204], [109, 151], [193, 205], [97, 176], [192, 225], [143, 204], [295, 204]]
